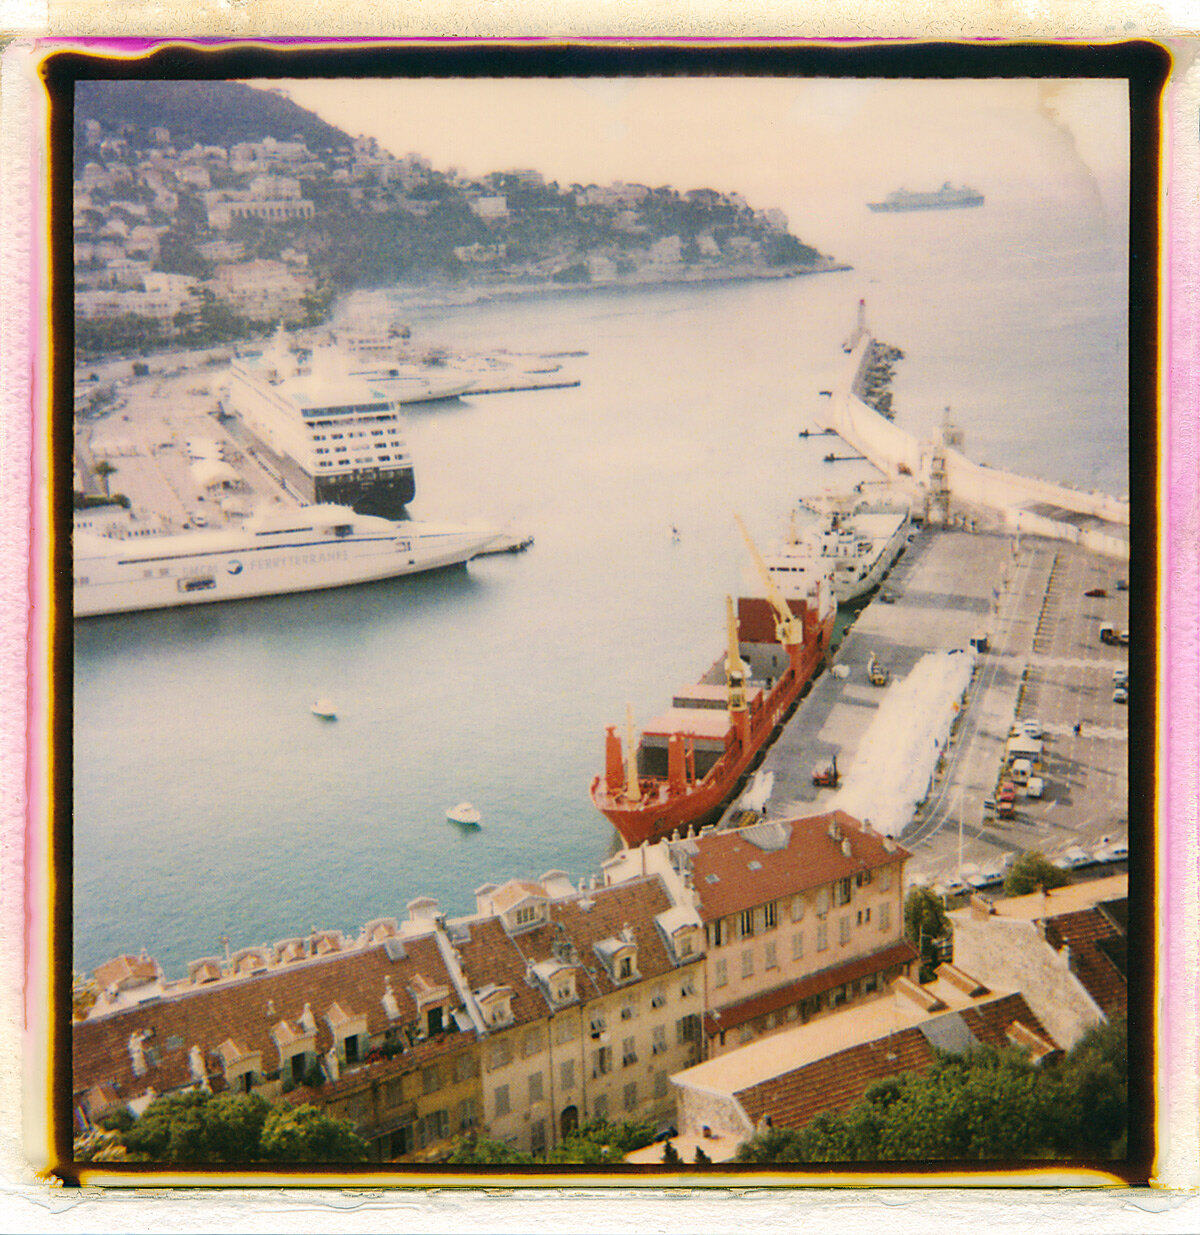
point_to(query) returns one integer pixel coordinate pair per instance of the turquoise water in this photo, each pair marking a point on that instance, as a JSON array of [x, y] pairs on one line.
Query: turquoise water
[[209, 802]]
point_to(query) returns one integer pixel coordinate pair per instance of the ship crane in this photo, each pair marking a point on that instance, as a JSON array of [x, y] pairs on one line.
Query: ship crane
[[735, 678], [789, 629]]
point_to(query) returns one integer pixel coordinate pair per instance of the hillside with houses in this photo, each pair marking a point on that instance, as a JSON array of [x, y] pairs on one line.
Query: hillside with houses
[[210, 213]]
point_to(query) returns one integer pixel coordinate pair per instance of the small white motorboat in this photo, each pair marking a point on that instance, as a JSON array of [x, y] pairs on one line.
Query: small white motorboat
[[464, 813], [324, 709]]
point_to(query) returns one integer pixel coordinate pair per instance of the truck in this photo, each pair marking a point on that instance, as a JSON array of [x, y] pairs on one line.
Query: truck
[[826, 777], [1108, 633]]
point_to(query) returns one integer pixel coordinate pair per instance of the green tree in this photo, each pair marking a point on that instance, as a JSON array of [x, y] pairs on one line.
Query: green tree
[[196, 1127], [1093, 1100], [925, 922], [671, 1155], [104, 470], [702, 1159], [482, 1151], [306, 1134], [1032, 871]]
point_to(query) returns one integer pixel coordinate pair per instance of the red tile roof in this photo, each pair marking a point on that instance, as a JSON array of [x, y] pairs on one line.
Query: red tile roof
[[248, 1009], [735, 1014], [838, 1081], [1085, 933], [582, 920], [810, 859]]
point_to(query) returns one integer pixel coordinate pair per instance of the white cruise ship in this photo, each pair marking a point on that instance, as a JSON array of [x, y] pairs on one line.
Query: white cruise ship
[[342, 431], [287, 551]]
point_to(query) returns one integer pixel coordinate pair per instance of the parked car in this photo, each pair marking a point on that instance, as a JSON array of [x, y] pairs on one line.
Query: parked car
[[1072, 858], [1036, 787], [1095, 591], [1032, 728], [1120, 677], [1122, 585], [1120, 695]]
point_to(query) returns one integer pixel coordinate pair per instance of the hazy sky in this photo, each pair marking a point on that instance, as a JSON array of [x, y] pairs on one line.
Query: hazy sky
[[787, 142]]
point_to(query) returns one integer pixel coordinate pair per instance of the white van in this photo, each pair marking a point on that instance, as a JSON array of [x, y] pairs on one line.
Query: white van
[[1021, 771]]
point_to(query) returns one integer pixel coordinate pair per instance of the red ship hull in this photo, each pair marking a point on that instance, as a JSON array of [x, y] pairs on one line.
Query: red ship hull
[[667, 804]]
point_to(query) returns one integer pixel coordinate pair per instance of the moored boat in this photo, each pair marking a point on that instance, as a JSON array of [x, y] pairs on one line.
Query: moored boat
[[299, 550], [691, 760], [860, 543]]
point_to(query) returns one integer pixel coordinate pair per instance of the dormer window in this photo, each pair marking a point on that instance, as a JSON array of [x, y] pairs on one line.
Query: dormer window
[[527, 915], [625, 967]]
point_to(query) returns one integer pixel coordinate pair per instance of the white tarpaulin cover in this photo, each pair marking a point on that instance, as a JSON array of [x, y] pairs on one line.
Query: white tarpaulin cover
[[894, 765]]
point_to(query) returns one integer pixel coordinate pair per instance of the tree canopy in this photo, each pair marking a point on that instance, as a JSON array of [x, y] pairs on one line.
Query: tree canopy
[[925, 922], [236, 1128], [1032, 871]]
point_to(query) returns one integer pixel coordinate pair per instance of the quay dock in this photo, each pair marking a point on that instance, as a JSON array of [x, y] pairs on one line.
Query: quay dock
[[1043, 662]]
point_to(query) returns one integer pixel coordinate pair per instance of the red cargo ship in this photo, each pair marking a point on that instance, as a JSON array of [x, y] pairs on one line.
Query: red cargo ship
[[690, 761]]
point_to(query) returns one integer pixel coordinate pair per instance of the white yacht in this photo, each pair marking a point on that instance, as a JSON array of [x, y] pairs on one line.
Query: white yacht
[[300, 550]]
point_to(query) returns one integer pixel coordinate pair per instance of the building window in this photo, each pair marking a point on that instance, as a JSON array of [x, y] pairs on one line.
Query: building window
[[747, 962], [660, 1084], [658, 1042], [629, 1009], [500, 1054], [841, 891], [722, 972], [687, 986], [687, 1029], [770, 917], [566, 1072], [466, 1114], [502, 1101], [564, 1030], [625, 967], [745, 1034], [393, 1092], [537, 1136], [885, 916], [464, 1067], [531, 1044], [797, 945], [822, 902], [527, 915], [822, 936], [631, 1096], [431, 1082], [885, 879], [718, 932], [599, 1025], [844, 930], [862, 878], [746, 924], [601, 1061], [770, 961], [535, 1088], [628, 1052], [685, 944], [658, 996], [600, 1106]]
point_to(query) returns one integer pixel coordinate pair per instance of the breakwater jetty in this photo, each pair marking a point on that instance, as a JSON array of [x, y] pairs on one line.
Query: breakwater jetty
[[952, 487]]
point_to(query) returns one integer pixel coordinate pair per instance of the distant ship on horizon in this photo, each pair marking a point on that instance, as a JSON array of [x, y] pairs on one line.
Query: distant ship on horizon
[[945, 198]]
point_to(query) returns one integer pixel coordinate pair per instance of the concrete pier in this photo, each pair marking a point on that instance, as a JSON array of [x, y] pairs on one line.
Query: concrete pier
[[1044, 662]]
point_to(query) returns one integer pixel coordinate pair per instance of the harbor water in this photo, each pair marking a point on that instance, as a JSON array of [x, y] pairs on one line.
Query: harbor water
[[210, 803]]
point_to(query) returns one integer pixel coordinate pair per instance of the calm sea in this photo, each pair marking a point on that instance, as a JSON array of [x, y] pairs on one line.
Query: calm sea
[[209, 802]]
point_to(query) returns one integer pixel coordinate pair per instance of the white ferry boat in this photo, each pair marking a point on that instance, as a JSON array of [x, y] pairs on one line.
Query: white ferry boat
[[300, 550], [860, 545], [341, 429]]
